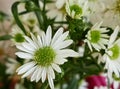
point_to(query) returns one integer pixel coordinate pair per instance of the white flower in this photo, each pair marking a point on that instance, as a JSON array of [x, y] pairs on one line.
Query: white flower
[[45, 54], [76, 8], [18, 35], [57, 10], [11, 65], [112, 55], [96, 37], [108, 11], [29, 19]]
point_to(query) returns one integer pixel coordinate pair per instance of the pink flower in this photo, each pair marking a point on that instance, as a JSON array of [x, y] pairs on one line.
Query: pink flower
[[96, 81]]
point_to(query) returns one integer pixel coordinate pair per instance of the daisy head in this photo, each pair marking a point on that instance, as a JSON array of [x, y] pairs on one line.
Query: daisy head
[[17, 34], [76, 8], [45, 55], [112, 55], [29, 19], [96, 37]]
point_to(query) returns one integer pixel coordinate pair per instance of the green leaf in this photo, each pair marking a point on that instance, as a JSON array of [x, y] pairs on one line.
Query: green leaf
[[5, 37], [73, 83], [16, 16]]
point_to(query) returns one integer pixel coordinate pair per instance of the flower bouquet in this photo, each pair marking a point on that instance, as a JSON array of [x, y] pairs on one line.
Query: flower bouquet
[[62, 44]]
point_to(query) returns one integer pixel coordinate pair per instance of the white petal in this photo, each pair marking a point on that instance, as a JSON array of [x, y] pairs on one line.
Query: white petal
[[43, 39], [34, 40], [43, 74], [24, 55], [25, 67], [60, 60], [89, 45], [30, 41], [60, 39], [48, 35], [29, 63], [50, 81], [63, 44], [113, 36], [51, 72], [23, 49], [57, 35], [67, 53], [96, 46], [29, 72], [28, 46], [34, 75], [39, 41], [56, 68], [39, 74]]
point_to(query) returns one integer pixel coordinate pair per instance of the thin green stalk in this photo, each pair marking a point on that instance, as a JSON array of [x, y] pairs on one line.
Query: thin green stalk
[[14, 10], [38, 14]]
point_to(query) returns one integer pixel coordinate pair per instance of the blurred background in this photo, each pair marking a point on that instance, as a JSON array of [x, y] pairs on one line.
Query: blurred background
[[5, 5]]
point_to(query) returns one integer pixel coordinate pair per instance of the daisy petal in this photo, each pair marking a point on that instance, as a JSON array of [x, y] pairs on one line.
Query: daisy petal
[[50, 80], [60, 39], [56, 68], [24, 55], [51, 72], [39, 74], [33, 77], [43, 75], [63, 44], [113, 36], [25, 67], [67, 53], [48, 35], [57, 35], [29, 72]]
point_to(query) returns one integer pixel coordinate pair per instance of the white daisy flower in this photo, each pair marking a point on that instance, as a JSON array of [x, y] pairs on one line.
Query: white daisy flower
[[17, 34], [11, 65], [76, 8], [29, 19], [108, 11], [46, 54], [112, 55], [57, 10], [96, 37]]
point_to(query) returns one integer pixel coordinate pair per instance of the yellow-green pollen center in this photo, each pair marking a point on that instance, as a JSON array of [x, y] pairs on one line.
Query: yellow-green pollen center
[[77, 9], [44, 56], [115, 52], [19, 38], [95, 36], [32, 21]]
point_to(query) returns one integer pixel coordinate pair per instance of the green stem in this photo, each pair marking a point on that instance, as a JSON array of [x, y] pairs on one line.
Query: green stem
[[16, 16], [38, 14]]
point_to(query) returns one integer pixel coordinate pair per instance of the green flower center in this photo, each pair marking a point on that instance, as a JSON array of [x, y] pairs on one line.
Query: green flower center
[[115, 52], [19, 38], [77, 9], [95, 36], [32, 21], [44, 56]]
